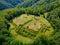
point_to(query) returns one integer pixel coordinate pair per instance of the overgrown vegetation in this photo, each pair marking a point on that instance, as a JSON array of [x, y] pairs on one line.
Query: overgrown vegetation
[[49, 14]]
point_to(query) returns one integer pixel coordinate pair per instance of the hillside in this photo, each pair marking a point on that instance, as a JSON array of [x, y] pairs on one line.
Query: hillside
[[4, 4], [9, 3], [14, 2], [34, 3], [27, 3], [30, 22], [23, 3]]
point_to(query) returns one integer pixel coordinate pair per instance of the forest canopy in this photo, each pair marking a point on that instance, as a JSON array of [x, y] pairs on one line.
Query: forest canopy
[[27, 13]]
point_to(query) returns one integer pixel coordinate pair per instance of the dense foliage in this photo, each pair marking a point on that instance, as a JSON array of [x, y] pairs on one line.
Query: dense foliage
[[49, 9]]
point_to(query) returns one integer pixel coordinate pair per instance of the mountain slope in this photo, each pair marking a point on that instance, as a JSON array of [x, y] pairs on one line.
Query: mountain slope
[[4, 4], [14, 2], [34, 3], [23, 3], [41, 2], [9, 3], [27, 3]]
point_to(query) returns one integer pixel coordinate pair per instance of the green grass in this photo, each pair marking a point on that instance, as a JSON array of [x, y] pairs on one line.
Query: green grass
[[34, 26], [46, 28], [22, 19], [18, 36]]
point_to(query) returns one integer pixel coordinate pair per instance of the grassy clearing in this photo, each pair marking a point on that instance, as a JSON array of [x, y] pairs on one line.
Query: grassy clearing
[[22, 19], [33, 26], [46, 26], [18, 36]]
